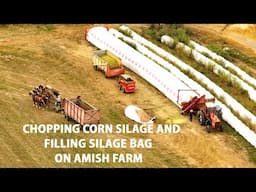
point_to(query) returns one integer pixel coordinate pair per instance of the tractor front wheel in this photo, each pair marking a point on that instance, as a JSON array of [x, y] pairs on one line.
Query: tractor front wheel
[[209, 128], [201, 117]]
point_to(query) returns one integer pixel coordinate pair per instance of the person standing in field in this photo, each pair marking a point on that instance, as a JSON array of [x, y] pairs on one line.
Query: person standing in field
[[191, 114]]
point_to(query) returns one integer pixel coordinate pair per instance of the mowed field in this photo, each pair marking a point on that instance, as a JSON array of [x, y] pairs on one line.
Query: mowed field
[[58, 55]]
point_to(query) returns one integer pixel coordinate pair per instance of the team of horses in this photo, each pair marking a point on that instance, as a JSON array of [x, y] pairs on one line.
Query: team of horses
[[43, 95]]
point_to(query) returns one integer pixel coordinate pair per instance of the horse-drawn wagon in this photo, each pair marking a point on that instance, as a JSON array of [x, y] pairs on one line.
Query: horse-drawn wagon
[[80, 111]]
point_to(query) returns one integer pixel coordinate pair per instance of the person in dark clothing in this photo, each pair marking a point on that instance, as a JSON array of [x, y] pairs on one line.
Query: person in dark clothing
[[78, 100], [190, 114]]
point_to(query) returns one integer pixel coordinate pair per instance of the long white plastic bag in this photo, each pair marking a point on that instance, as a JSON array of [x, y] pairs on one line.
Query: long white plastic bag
[[101, 38]]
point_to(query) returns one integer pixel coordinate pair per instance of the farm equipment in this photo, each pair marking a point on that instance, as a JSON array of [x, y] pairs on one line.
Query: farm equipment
[[106, 62], [80, 111], [74, 109], [210, 116], [126, 83]]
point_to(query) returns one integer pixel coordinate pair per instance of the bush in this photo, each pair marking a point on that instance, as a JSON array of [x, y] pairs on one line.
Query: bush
[[182, 36], [237, 54], [210, 66], [131, 44], [177, 32], [231, 54], [218, 50], [127, 33]]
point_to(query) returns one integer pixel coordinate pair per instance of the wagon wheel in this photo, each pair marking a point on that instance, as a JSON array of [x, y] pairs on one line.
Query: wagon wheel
[[67, 117]]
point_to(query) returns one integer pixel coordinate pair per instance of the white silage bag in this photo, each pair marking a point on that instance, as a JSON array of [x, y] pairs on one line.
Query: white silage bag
[[129, 51]]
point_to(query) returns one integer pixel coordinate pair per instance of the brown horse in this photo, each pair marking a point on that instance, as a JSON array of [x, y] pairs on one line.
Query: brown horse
[[39, 100]]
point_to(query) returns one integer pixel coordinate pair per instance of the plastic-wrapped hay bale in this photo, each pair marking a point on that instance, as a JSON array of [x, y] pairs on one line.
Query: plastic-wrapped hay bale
[[165, 39], [186, 49]]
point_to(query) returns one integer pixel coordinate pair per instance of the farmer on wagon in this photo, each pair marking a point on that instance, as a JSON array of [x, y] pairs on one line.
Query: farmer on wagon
[[78, 100], [58, 103]]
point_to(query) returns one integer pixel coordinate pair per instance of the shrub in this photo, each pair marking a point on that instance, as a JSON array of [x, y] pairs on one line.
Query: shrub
[[210, 66], [206, 54], [176, 31], [218, 50], [239, 55], [127, 33], [131, 44], [182, 36]]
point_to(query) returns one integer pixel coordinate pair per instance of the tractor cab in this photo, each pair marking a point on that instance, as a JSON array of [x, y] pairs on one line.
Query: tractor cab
[[216, 110], [213, 119], [126, 83]]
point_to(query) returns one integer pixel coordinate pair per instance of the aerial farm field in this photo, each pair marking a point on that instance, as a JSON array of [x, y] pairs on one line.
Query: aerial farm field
[[58, 55]]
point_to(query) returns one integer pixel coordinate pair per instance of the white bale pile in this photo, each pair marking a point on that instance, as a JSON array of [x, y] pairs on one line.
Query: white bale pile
[[163, 80], [227, 64]]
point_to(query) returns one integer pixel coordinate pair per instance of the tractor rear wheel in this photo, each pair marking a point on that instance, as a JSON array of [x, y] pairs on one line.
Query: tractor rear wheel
[[201, 117], [209, 128], [221, 128]]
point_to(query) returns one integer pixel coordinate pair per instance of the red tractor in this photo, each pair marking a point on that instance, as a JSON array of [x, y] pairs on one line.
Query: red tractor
[[208, 116], [126, 83]]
